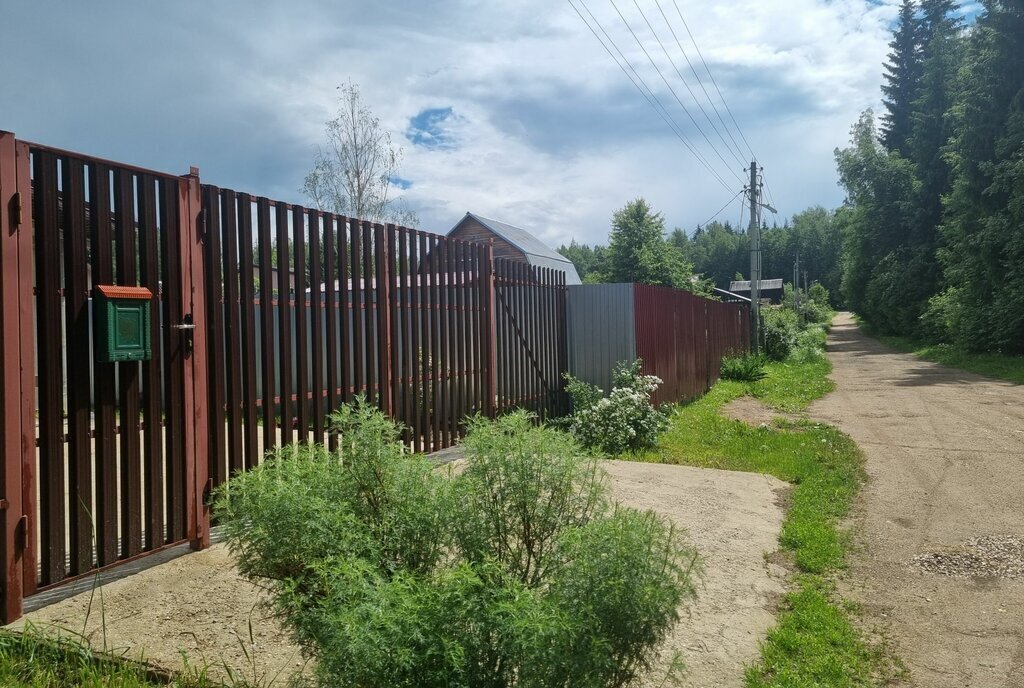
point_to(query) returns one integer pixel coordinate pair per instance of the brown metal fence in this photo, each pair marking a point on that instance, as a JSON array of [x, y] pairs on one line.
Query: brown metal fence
[[682, 339], [310, 310], [109, 470]]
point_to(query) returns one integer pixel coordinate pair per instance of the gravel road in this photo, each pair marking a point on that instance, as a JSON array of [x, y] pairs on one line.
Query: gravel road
[[940, 522]]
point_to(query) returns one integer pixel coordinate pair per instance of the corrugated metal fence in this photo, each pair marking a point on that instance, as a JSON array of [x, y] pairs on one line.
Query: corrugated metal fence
[[680, 337]]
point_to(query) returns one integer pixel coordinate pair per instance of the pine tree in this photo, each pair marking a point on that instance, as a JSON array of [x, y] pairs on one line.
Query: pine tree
[[902, 79], [638, 252]]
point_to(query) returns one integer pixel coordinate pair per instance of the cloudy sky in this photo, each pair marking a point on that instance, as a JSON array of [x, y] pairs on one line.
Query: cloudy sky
[[510, 109]]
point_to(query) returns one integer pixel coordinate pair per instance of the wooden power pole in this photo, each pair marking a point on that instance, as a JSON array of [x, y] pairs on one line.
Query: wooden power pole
[[755, 263]]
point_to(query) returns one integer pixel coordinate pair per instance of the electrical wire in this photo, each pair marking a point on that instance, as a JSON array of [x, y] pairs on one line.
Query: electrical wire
[[713, 80], [681, 78], [651, 99], [673, 91], [728, 203]]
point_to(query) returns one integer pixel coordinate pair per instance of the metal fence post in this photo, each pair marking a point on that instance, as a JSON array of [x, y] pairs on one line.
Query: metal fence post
[[196, 397], [17, 397]]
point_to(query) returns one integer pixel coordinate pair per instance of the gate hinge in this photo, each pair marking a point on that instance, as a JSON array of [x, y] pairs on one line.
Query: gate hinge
[[16, 209]]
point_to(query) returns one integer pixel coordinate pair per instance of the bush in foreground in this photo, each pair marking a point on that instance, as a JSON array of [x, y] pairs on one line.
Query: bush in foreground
[[518, 571], [625, 420]]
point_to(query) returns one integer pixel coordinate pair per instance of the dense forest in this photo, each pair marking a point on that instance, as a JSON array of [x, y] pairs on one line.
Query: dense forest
[[934, 233], [930, 241]]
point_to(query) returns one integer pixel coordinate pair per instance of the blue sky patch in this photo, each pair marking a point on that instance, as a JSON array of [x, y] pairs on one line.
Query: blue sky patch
[[426, 128], [401, 182]]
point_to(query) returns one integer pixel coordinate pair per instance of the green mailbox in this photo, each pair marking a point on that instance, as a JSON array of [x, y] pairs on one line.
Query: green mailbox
[[122, 323]]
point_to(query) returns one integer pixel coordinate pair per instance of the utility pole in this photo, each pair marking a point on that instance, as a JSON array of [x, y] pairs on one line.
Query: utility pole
[[755, 263]]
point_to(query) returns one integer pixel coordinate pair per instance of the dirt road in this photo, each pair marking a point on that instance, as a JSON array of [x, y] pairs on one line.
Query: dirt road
[[945, 459]]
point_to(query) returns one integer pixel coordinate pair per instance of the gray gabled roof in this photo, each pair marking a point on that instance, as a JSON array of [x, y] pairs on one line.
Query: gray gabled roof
[[764, 284], [537, 253]]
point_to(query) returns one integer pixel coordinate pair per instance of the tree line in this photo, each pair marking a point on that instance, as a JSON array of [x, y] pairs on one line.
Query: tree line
[[934, 217], [640, 250]]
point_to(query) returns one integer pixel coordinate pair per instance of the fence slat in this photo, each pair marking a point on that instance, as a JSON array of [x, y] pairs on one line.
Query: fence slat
[[152, 387], [369, 314], [233, 329], [331, 315], [301, 324], [247, 297], [76, 317], [267, 368], [128, 373], [316, 224], [51, 370]]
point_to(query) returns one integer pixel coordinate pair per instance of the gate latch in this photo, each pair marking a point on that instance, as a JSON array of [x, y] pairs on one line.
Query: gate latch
[[186, 327]]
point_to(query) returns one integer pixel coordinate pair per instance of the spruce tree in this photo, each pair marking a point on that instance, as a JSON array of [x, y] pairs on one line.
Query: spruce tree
[[902, 79]]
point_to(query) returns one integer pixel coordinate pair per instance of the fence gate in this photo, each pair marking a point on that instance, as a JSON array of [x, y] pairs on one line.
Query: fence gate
[[103, 461], [530, 337]]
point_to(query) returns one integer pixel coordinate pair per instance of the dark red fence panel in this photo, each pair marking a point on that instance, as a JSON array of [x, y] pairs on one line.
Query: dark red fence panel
[[530, 338], [682, 339], [111, 467]]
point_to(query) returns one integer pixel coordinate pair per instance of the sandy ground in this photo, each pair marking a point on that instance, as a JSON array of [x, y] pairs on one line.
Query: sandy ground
[[945, 459], [753, 412], [198, 605]]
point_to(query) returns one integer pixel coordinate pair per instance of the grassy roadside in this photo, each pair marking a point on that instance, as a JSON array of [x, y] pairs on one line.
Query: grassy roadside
[[1001, 366], [815, 642]]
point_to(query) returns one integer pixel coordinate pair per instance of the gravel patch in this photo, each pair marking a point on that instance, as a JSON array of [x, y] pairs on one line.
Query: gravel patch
[[990, 556]]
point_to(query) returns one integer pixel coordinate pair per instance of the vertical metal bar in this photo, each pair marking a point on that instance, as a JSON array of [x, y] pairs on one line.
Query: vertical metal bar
[[345, 313], [17, 393], [462, 334], [51, 369], [174, 375], [408, 390], [473, 294], [444, 356], [382, 300], [103, 373], [247, 306], [316, 225], [76, 317], [196, 392], [418, 384], [233, 305], [267, 369], [370, 309], [301, 323], [284, 319], [563, 343], [128, 373], [331, 243], [487, 285], [393, 275], [152, 388], [358, 361], [436, 366]]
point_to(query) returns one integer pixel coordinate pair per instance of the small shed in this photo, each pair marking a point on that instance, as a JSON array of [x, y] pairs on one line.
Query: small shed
[[515, 243], [769, 289]]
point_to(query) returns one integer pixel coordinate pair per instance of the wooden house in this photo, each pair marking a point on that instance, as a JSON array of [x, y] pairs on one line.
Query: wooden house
[[514, 243]]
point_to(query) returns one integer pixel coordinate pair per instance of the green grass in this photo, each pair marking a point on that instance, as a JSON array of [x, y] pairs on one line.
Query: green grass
[[999, 366], [33, 659], [815, 642]]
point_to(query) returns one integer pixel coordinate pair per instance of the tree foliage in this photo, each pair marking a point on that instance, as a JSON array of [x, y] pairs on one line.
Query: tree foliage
[[933, 223], [354, 173]]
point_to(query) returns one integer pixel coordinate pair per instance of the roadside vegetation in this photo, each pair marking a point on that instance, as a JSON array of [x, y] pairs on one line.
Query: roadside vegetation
[[816, 641]]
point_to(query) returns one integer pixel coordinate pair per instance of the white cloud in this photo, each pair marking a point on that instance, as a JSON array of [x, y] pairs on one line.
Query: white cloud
[[551, 134]]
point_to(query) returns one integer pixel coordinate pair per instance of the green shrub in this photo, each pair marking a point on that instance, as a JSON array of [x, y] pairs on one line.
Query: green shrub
[[779, 330], [744, 367], [810, 345], [625, 420], [518, 571]]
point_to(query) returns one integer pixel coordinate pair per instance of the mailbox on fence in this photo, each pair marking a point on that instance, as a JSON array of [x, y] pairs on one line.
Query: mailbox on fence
[[122, 323]]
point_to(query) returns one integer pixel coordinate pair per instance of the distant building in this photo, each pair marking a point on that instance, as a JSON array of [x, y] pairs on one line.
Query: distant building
[[768, 289], [515, 243]]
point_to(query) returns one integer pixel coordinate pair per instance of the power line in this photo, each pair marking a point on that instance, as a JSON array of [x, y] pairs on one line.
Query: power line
[[735, 146], [713, 80], [651, 99], [728, 203], [693, 95], [673, 91]]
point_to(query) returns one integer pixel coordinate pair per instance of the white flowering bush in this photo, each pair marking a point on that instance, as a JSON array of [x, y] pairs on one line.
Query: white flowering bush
[[625, 420]]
